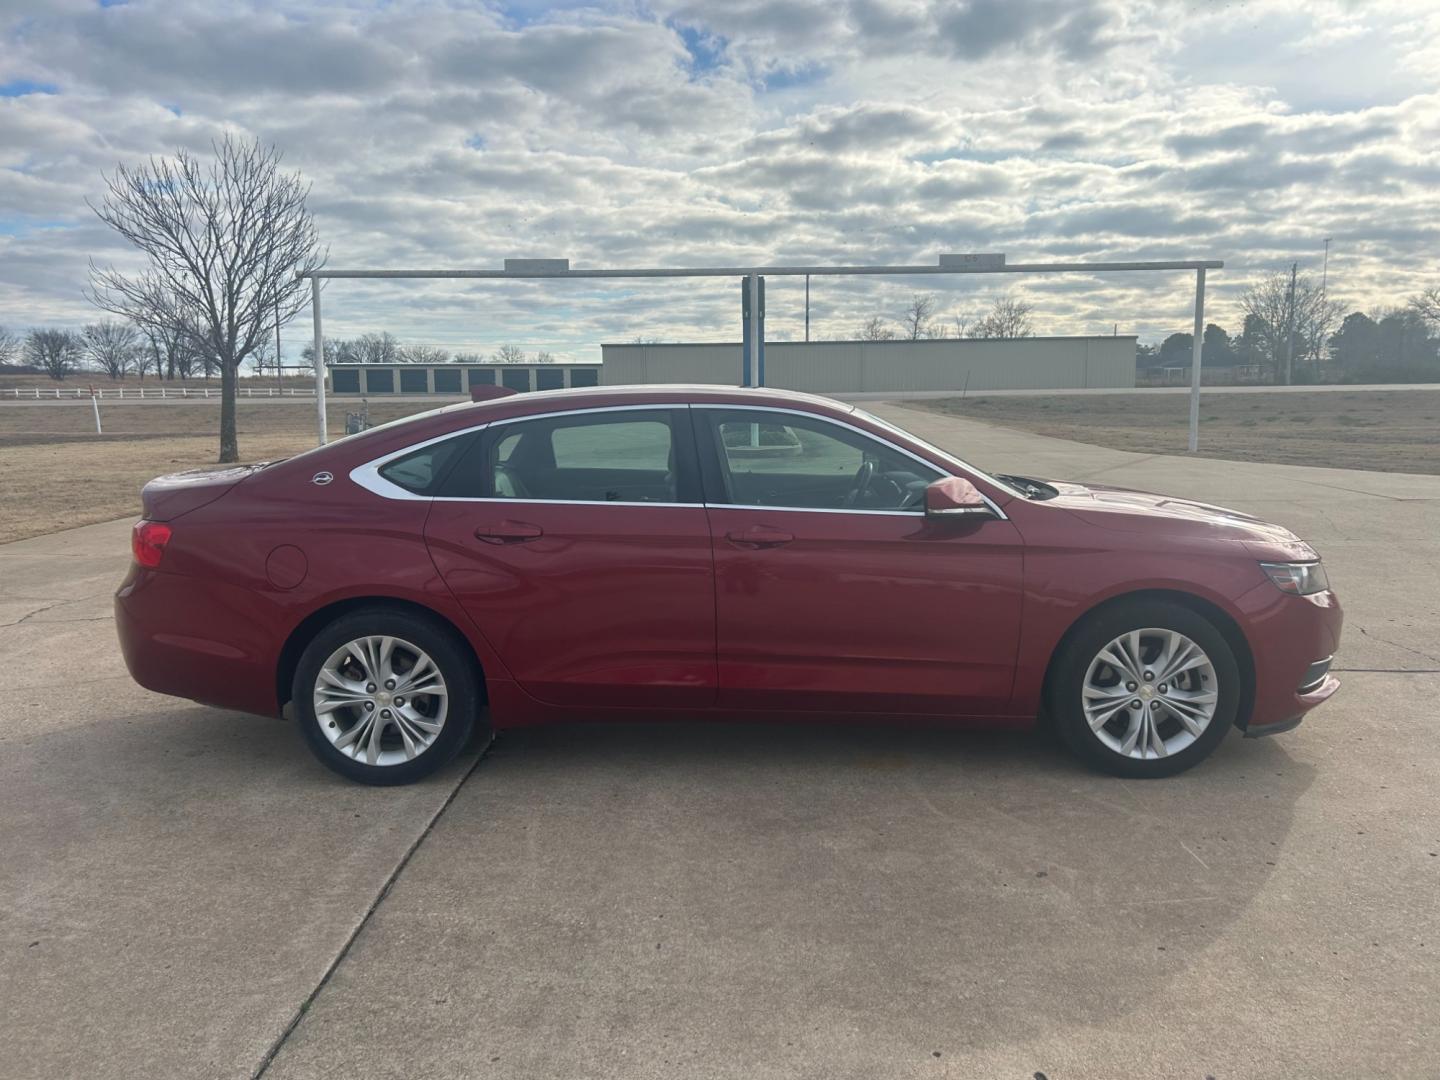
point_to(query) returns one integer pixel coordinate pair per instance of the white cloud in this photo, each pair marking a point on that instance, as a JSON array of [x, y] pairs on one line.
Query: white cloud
[[747, 131]]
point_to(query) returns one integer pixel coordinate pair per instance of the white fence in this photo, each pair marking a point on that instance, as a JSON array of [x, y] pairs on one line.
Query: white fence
[[135, 393]]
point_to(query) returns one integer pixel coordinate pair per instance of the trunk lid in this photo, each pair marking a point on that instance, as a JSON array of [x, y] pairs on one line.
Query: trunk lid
[[167, 497]]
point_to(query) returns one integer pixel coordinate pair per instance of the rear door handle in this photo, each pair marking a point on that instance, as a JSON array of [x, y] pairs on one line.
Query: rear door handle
[[759, 536], [509, 532]]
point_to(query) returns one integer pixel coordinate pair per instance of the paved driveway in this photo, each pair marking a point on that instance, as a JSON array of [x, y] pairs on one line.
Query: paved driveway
[[181, 888]]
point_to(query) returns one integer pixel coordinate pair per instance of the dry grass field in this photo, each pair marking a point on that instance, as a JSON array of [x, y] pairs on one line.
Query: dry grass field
[[1389, 431], [56, 473]]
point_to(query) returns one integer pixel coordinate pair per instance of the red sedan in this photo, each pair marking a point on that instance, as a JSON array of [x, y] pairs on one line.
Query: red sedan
[[708, 552]]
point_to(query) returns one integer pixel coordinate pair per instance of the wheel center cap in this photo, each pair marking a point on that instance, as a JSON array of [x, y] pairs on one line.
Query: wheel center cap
[[1147, 691], [383, 698]]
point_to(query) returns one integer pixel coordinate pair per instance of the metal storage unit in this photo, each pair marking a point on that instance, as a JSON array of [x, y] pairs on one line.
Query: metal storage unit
[[454, 378]]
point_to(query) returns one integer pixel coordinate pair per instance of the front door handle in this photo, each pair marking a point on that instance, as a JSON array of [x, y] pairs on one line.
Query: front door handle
[[509, 532], [759, 536]]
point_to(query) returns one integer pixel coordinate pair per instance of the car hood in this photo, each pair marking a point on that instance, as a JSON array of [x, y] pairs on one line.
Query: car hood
[[1124, 510]]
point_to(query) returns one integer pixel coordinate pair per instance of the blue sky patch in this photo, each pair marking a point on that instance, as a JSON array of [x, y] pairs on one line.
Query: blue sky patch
[[21, 87], [707, 51]]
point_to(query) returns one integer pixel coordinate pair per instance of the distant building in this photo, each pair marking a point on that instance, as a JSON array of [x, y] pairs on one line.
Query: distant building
[[840, 367], [379, 380]]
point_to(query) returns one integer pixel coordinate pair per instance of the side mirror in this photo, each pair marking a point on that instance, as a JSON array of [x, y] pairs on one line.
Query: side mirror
[[953, 496]]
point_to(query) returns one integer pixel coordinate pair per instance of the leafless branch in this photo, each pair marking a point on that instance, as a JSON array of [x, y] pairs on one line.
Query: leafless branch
[[223, 243]]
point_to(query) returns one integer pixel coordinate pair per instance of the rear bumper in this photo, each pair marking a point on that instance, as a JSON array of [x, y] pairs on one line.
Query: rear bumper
[[194, 640], [1289, 634]]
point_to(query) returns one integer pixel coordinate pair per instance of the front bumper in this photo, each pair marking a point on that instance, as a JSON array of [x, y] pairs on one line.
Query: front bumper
[[1289, 636], [1305, 701]]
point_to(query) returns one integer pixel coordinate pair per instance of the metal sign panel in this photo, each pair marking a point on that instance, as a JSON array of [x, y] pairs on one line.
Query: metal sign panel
[[536, 266], [973, 262]]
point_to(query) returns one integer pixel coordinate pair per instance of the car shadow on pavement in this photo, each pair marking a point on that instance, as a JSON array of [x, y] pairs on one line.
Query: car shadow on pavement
[[831, 891], [778, 897]]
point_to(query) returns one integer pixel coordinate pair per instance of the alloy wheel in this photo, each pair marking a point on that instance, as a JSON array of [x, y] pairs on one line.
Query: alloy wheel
[[380, 700], [1150, 693]]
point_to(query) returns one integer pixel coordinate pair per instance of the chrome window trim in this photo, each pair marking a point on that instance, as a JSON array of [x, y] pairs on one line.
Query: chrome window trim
[[994, 508], [912, 514], [368, 475]]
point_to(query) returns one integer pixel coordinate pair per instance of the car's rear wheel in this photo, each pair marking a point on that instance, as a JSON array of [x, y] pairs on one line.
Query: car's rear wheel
[[385, 697], [1145, 689]]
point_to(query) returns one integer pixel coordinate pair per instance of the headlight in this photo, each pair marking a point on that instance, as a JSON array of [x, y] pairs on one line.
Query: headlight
[[1297, 578]]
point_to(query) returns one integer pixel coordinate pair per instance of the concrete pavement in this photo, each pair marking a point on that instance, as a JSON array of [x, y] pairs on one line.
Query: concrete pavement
[[638, 901]]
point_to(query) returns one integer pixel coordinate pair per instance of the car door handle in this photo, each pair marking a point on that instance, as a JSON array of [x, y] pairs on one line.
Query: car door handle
[[759, 536], [509, 532]]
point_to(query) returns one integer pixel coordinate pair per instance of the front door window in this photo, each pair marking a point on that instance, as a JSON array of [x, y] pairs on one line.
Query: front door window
[[783, 460]]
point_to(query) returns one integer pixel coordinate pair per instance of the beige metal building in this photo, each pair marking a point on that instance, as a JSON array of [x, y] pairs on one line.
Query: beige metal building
[[839, 367]]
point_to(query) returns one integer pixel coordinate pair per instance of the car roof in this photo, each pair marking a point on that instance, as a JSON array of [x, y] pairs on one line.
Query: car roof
[[465, 414], [670, 393]]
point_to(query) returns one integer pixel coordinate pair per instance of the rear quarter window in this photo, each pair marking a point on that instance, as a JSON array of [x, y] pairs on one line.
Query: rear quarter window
[[422, 471]]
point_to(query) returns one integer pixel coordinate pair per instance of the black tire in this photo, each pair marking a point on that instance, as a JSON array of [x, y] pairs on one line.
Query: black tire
[[450, 656], [1084, 645]]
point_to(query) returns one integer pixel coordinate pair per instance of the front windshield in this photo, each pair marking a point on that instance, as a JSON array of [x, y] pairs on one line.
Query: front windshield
[[1003, 485]]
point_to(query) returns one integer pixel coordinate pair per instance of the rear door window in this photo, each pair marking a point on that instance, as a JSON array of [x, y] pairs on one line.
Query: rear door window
[[623, 455]]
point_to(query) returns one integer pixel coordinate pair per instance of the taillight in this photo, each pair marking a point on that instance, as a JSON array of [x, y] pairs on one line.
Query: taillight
[[148, 540]]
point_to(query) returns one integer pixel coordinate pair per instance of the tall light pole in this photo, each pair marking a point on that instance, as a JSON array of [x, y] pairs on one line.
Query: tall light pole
[[319, 362], [1290, 325], [1325, 270]]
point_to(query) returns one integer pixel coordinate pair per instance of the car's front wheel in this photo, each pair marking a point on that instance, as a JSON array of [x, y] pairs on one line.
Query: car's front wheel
[[385, 697], [1145, 689]]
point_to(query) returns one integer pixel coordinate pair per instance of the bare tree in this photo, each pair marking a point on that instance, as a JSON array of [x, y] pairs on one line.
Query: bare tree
[[263, 360], [56, 352], [1288, 326], [1008, 318], [509, 354], [917, 316], [224, 243], [9, 347], [425, 354], [111, 346], [543, 357], [1426, 305], [382, 348], [876, 330]]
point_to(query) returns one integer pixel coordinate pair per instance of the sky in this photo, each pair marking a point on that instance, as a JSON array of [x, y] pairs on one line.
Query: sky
[[748, 132]]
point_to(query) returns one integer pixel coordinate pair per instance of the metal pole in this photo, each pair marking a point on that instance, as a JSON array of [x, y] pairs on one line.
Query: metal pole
[[279, 370], [807, 307], [1290, 332], [745, 331], [756, 329], [95, 401], [1195, 357], [319, 360]]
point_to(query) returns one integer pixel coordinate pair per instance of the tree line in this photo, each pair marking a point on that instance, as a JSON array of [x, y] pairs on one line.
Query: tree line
[[1292, 333], [1008, 317], [108, 347], [385, 348]]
